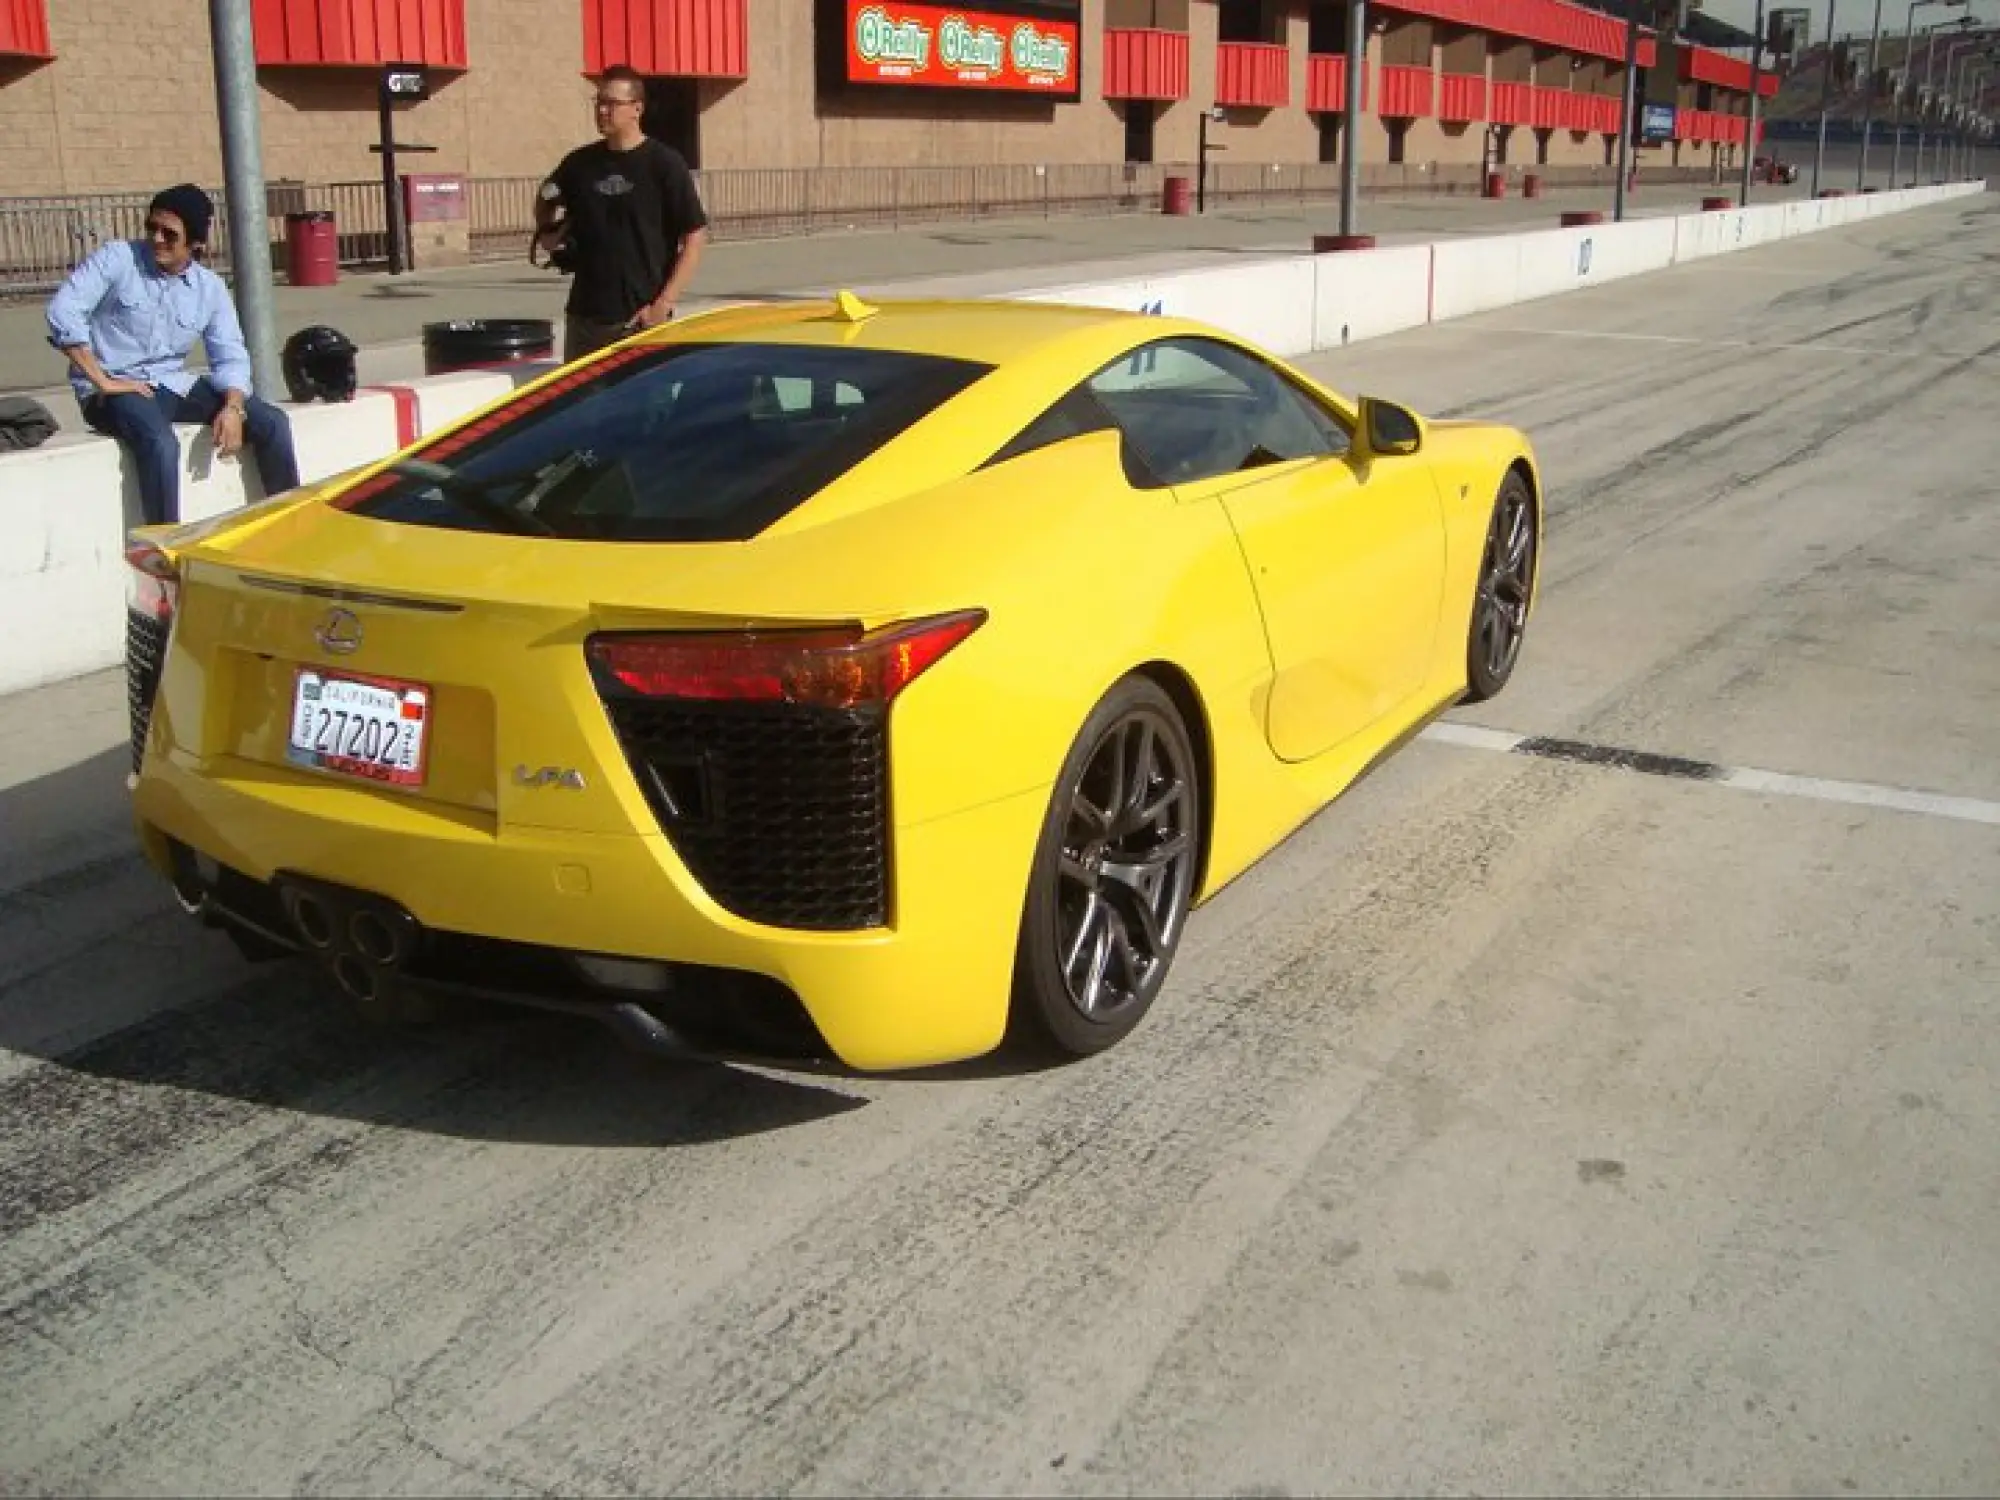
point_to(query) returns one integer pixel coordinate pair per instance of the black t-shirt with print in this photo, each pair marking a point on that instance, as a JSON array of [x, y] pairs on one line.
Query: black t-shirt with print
[[628, 211]]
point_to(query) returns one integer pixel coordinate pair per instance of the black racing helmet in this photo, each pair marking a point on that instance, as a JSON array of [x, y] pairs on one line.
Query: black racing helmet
[[319, 365]]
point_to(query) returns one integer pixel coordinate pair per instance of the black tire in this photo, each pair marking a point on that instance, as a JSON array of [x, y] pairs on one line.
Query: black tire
[[1113, 877], [1505, 587]]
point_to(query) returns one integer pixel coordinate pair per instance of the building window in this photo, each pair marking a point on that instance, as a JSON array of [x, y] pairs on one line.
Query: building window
[[1326, 30], [673, 115], [1139, 117], [1249, 21], [1145, 15]]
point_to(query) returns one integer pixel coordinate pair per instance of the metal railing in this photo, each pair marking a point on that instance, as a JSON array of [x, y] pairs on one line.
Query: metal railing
[[41, 238], [502, 211]]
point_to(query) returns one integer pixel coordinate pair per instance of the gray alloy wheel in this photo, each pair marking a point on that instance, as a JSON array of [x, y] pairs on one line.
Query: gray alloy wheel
[[1113, 877], [1506, 584]]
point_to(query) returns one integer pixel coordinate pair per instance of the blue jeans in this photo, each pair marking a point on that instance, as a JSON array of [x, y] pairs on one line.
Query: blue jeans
[[145, 425]]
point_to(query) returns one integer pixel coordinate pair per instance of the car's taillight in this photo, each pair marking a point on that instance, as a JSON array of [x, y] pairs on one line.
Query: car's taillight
[[834, 668], [152, 583]]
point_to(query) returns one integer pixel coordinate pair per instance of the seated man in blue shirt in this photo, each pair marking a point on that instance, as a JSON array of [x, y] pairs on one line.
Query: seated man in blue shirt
[[127, 317]]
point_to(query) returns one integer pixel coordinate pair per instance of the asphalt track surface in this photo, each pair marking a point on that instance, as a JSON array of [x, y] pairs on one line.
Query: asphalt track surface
[[1557, 1122]]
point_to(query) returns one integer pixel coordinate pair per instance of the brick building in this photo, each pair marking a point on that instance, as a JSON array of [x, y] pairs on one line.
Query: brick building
[[114, 95], [807, 112]]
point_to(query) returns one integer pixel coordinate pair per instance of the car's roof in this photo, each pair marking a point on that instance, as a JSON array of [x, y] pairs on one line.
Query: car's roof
[[988, 332]]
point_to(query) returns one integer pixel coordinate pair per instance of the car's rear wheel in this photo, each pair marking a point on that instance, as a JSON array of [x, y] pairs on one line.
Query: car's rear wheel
[[1506, 584], [1113, 877]]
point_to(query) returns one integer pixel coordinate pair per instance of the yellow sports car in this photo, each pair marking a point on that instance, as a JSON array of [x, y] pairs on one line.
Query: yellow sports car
[[819, 680]]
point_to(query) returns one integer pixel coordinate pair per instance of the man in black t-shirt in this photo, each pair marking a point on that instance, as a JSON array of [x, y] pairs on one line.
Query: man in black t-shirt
[[629, 208]]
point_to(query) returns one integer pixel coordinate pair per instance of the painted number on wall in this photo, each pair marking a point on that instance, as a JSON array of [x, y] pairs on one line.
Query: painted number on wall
[[1583, 257], [1144, 361]]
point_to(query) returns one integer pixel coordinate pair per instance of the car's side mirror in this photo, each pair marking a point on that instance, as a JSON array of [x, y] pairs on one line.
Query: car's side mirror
[[1389, 430]]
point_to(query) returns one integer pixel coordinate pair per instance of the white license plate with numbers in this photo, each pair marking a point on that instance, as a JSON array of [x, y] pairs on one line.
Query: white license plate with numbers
[[368, 727]]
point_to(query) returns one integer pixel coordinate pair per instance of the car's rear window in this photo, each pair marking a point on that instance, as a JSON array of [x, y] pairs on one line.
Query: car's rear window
[[683, 442]]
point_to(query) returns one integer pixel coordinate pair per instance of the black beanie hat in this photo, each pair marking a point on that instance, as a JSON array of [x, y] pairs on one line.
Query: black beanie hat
[[190, 205]]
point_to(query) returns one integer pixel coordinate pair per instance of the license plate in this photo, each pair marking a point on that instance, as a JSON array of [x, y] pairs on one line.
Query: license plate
[[370, 727]]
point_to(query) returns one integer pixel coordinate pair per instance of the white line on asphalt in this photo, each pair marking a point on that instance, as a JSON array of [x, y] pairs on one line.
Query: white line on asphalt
[[1675, 338], [1790, 273], [1472, 736], [1901, 799], [1751, 779]]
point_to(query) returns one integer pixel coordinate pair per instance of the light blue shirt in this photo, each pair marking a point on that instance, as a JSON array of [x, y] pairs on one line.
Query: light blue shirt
[[141, 322]]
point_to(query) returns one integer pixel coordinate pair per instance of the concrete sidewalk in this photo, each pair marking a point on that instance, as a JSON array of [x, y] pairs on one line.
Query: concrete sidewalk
[[385, 314]]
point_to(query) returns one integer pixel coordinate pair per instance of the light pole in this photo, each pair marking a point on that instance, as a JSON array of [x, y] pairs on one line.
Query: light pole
[[1953, 68], [1825, 97], [1903, 82], [1213, 114], [1930, 81], [1868, 99], [1954, 80], [1630, 96], [1959, 119], [1951, 52], [1977, 91], [1756, 76], [234, 42], [1350, 148]]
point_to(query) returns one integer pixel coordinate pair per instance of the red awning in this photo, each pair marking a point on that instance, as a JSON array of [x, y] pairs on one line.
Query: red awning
[[1140, 63], [1706, 65], [1253, 74], [1326, 85], [1553, 23], [1461, 97], [668, 38], [1408, 93], [359, 33], [24, 29]]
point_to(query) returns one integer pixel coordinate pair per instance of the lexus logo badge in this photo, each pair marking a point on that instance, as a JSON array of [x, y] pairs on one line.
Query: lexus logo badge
[[339, 632]]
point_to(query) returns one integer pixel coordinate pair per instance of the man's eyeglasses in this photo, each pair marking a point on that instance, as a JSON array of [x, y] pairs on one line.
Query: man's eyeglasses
[[604, 103], [158, 231]]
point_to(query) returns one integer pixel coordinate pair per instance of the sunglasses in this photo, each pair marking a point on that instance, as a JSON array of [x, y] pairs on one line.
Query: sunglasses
[[158, 231]]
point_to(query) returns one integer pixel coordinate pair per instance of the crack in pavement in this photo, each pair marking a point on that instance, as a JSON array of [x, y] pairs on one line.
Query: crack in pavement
[[302, 1326]]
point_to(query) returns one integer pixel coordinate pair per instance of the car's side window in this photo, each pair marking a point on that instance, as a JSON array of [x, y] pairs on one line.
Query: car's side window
[[1196, 408], [1075, 414], [802, 395]]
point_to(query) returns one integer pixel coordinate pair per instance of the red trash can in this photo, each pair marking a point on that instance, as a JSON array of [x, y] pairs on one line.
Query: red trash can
[[312, 249], [1179, 195], [1531, 185], [1496, 184]]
